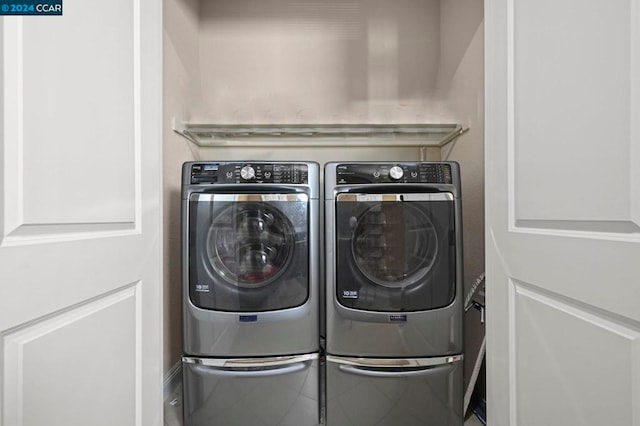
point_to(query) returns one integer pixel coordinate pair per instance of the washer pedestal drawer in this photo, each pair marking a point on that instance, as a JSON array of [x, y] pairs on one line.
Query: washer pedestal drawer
[[361, 394], [243, 392]]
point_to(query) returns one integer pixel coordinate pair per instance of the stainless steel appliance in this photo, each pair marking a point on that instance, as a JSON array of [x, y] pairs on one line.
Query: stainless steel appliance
[[394, 311], [250, 293]]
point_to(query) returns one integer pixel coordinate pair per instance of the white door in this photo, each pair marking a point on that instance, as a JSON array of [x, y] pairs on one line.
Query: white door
[[80, 155], [563, 212]]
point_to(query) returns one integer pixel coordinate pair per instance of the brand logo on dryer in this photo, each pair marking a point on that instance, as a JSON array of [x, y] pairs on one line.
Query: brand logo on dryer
[[202, 287]]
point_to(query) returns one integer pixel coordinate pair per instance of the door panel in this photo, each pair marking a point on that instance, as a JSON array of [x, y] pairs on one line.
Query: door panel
[[562, 212], [104, 325], [101, 83], [592, 362], [80, 216], [97, 153], [571, 85]]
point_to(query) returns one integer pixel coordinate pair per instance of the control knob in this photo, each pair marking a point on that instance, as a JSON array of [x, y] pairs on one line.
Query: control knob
[[396, 172], [247, 173]]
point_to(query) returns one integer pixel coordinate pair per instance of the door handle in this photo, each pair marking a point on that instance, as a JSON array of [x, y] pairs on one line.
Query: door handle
[[206, 370], [393, 373]]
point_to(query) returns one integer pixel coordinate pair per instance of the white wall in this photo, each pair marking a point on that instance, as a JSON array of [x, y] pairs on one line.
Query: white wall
[[331, 62]]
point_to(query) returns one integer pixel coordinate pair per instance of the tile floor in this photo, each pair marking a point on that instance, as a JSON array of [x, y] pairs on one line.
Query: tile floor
[[173, 411]]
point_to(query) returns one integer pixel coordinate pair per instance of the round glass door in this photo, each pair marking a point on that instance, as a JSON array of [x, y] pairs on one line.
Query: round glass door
[[394, 244], [250, 244]]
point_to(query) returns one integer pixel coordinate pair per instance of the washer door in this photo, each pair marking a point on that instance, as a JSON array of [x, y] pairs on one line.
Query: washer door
[[395, 252], [248, 252]]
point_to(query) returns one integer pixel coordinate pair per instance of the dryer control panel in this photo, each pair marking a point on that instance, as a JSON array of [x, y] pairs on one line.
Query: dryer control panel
[[348, 174], [230, 173]]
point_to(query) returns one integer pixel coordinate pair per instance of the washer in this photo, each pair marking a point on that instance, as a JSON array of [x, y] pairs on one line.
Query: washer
[[394, 311], [251, 292]]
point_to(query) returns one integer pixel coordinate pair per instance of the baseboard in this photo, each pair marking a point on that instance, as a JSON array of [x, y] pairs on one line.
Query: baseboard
[[172, 381]]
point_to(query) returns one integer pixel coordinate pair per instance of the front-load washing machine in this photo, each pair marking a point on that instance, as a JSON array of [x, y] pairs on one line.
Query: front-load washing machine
[[394, 310], [250, 293]]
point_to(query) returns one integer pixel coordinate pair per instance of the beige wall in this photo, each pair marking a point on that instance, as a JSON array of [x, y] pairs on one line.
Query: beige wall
[[333, 62], [461, 83], [180, 79], [277, 61]]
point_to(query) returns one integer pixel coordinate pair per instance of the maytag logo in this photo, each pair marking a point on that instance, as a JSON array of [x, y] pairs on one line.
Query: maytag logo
[[397, 318], [31, 7]]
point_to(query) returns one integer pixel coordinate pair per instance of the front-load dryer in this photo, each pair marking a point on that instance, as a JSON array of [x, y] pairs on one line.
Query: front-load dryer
[[251, 293], [394, 310]]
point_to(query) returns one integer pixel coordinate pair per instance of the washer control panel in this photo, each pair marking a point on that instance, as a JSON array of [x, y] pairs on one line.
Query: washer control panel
[[348, 174], [226, 173]]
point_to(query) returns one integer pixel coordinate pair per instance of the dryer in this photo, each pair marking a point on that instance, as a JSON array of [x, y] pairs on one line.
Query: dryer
[[394, 311], [251, 293]]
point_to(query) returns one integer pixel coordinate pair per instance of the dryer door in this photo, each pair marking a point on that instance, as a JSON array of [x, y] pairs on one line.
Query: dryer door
[[248, 252], [395, 252]]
